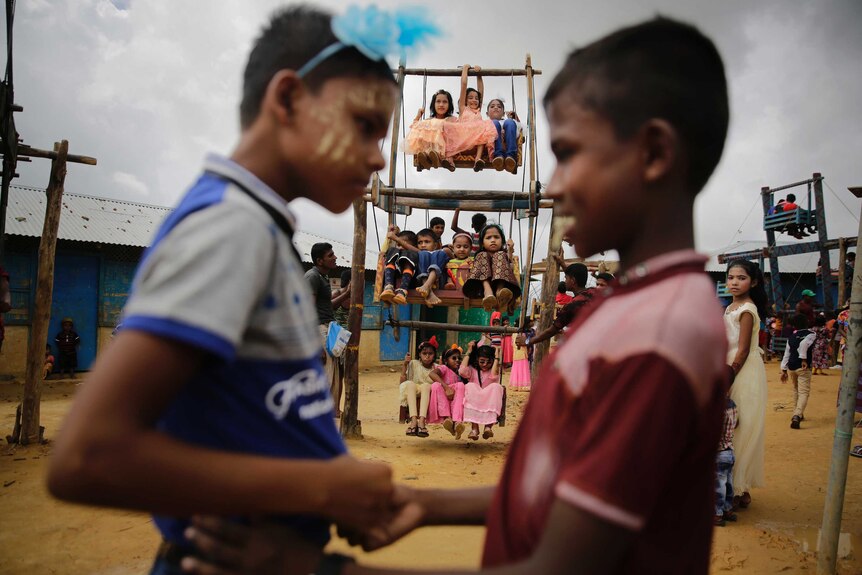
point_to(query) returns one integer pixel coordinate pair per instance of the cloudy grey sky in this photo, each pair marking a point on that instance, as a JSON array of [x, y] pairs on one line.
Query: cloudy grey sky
[[148, 87]]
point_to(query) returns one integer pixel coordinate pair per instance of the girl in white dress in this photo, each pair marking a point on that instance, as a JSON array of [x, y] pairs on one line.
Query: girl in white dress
[[742, 320]]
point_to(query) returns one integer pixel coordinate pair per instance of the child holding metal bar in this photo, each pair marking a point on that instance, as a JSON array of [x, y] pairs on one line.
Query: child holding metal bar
[[401, 262], [491, 276], [471, 131]]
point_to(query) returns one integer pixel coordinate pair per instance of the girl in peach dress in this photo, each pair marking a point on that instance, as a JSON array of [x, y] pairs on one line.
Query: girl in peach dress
[[471, 131], [425, 139]]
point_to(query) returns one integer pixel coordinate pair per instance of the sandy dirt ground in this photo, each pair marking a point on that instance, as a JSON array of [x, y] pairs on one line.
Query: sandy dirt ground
[[777, 534]]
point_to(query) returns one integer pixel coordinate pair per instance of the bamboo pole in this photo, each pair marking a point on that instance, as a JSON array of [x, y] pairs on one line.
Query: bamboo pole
[[842, 259], [31, 431], [436, 72], [822, 235], [444, 203], [827, 555], [550, 281], [451, 326], [25, 150], [460, 194], [396, 125], [351, 427]]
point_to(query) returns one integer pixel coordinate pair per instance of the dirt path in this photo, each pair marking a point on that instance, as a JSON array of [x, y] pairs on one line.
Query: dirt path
[[776, 534]]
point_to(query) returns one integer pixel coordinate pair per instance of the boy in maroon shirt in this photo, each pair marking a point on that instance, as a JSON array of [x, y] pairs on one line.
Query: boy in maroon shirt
[[612, 467]]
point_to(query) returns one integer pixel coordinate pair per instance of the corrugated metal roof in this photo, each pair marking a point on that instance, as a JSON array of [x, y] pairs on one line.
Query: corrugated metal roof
[[800, 263], [120, 222]]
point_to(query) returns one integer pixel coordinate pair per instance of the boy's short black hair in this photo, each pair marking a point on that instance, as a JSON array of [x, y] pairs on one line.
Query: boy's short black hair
[[578, 272], [561, 287], [292, 37], [799, 321], [345, 277], [657, 69], [608, 277], [428, 233], [850, 256], [791, 198], [479, 221], [319, 250], [436, 221], [408, 236]]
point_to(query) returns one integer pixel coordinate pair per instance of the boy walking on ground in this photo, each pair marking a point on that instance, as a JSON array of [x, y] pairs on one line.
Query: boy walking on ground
[[796, 364], [212, 398], [724, 461], [613, 465]]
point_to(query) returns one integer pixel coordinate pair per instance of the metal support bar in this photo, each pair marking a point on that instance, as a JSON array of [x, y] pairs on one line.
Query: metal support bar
[[460, 194], [791, 250], [793, 185]]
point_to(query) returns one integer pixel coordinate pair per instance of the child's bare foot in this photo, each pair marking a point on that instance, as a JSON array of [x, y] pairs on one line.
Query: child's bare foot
[[423, 290], [449, 285], [431, 299], [388, 293], [449, 425], [504, 297], [489, 303]]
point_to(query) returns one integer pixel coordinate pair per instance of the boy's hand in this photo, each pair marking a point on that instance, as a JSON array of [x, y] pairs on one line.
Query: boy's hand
[[783, 376], [406, 514], [470, 346], [360, 492], [510, 243], [804, 364], [232, 549]]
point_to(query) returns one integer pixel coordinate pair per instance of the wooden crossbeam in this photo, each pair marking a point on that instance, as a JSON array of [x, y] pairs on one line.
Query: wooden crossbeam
[[485, 72], [794, 249]]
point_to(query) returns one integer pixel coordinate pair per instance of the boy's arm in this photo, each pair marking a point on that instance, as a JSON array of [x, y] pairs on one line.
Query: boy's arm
[[342, 295], [806, 343], [111, 454], [454, 225]]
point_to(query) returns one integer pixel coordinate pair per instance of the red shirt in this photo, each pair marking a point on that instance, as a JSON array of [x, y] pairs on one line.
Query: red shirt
[[562, 298], [625, 423]]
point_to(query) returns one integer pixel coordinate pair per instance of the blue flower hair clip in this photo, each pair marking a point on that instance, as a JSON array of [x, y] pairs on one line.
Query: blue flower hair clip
[[377, 33]]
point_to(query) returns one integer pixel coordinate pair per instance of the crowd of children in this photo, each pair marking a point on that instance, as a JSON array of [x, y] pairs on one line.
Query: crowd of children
[[478, 264]]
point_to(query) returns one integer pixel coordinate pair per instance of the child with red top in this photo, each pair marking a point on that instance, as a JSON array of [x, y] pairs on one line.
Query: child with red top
[[613, 464]]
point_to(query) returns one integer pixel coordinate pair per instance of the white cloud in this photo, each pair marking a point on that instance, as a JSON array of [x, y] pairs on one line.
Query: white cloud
[[130, 184]]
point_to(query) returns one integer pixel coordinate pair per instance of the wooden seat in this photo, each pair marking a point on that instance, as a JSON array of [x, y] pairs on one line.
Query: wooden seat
[[467, 159], [404, 413], [800, 218]]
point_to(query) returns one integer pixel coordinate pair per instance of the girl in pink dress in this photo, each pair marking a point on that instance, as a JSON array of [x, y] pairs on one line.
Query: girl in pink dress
[[471, 131], [447, 394], [483, 394], [425, 139], [507, 345], [519, 379]]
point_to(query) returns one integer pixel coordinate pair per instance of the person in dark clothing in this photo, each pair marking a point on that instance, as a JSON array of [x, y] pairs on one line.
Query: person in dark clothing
[[67, 347]]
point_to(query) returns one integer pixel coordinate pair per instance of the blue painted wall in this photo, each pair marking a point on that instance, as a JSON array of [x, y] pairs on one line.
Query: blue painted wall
[[76, 289]]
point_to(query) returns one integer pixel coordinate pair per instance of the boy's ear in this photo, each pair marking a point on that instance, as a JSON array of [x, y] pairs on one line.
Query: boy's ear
[[282, 93], [661, 149]]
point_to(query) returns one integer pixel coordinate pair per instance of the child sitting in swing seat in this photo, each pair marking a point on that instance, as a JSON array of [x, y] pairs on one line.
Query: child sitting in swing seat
[[431, 261], [491, 276], [461, 260], [425, 139], [471, 131], [401, 264], [504, 154]]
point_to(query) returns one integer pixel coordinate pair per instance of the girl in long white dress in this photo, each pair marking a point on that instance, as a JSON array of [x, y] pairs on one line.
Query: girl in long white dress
[[742, 320]]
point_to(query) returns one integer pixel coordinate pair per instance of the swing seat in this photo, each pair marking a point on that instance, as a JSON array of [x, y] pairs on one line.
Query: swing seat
[[404, 413], [467, 159], [801, 220]]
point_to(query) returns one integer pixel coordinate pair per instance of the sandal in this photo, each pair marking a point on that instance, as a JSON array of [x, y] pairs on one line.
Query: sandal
[[400, 297], [424, 160], [504, 297], [745, 500], [459, 430], [856, 451], [422, 432], [489, 302], [412, 431], [474, 435], [479, 165], [387, 294], [434, 158], [488, 433]]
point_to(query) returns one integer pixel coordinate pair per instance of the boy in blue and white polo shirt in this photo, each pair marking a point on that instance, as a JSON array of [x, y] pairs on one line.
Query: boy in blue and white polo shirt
[[212, 398]]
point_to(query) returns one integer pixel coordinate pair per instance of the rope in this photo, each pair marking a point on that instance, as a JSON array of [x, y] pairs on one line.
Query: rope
[[739, 229], [514, 108], [424, 90], [837, 197]]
